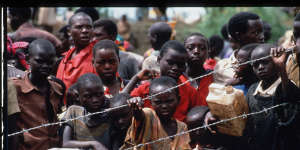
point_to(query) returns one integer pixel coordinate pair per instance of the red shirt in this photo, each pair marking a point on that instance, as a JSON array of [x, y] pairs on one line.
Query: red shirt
[[107, 90], [69, 70], [188, 97], [202, 89]]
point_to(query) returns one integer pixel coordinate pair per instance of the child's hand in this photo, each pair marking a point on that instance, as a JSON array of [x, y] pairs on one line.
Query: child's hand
[[147, 74], [135, 103], [209, 118], [279, 57]]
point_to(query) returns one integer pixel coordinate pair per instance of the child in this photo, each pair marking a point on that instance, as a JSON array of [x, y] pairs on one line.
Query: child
[[271, 129], [197, 47], [216, 44], [244, 76], [106, 61], [39, 97], [105, 29], [148, 125], [243, 28], [120, 120], [87, 132], [172, 60]]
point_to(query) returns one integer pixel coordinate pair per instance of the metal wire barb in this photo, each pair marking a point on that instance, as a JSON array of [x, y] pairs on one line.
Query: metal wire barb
[[148, 97]]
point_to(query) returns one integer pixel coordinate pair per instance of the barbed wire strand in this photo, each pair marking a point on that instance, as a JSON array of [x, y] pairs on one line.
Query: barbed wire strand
[[265, 110], [148, 97]]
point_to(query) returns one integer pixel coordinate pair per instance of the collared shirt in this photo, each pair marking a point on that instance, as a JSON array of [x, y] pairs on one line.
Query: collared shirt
[[69, 70], [28, 30], [224, 72], [33, 113], [292, 68], [269, 91], [188, 97], [201, 87]]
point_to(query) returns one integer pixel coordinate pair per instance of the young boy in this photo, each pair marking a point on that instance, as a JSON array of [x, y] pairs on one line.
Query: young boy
[[197, 47], [159, 33], [72, 95], [39, 97], [87, 132], [106, 61], [244, 76], [105, 29], [277, 128], [148, 125], [120, 120], [243, 28], [172, 60]]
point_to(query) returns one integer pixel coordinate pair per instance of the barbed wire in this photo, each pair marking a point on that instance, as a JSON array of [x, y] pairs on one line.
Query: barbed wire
[[148, 97], [265, 110]]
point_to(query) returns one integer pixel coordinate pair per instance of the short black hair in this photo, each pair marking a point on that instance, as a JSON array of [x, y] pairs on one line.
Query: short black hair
[[217, 42], [239, 23], [105, 44], [119, 99], [195, 34], [267, 30], [164, 81], [172, 44], [266, 47], [91, 11], [41, 44], [224, 32], [24, 13], [108, 25], [88, 77], [249, 48], [162, 29], [79, 14], [198, 110]]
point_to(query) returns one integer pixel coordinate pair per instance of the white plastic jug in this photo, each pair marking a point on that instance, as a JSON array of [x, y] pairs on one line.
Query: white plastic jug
[[226, 102]]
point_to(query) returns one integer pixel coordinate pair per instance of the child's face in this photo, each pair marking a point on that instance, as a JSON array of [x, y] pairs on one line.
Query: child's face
[[41, 62], [91, 96], [122, 118], [193, 122], [164, 104], [254, 33], [100, 34], [242, 56], [172, 64], [106, 63], [263, 69], [197, 48]]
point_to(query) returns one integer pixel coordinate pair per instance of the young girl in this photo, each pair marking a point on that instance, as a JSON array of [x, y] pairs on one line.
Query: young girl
[[148, 124]]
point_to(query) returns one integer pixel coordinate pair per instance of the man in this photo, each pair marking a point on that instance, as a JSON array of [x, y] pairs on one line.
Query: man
[[77, 60], [20, 23]]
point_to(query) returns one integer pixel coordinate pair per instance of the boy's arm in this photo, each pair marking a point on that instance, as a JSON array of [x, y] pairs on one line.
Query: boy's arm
[[69, 143], [135, 105], [142, 75], [279, 58]]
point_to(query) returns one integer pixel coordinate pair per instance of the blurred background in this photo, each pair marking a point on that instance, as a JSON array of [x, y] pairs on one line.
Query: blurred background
[[184, 20]]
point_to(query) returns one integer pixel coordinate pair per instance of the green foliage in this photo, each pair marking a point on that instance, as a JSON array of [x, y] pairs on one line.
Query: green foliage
[[216, 17]]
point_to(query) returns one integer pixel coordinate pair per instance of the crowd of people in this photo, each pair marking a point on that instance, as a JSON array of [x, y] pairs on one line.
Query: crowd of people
[[87, 69]]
